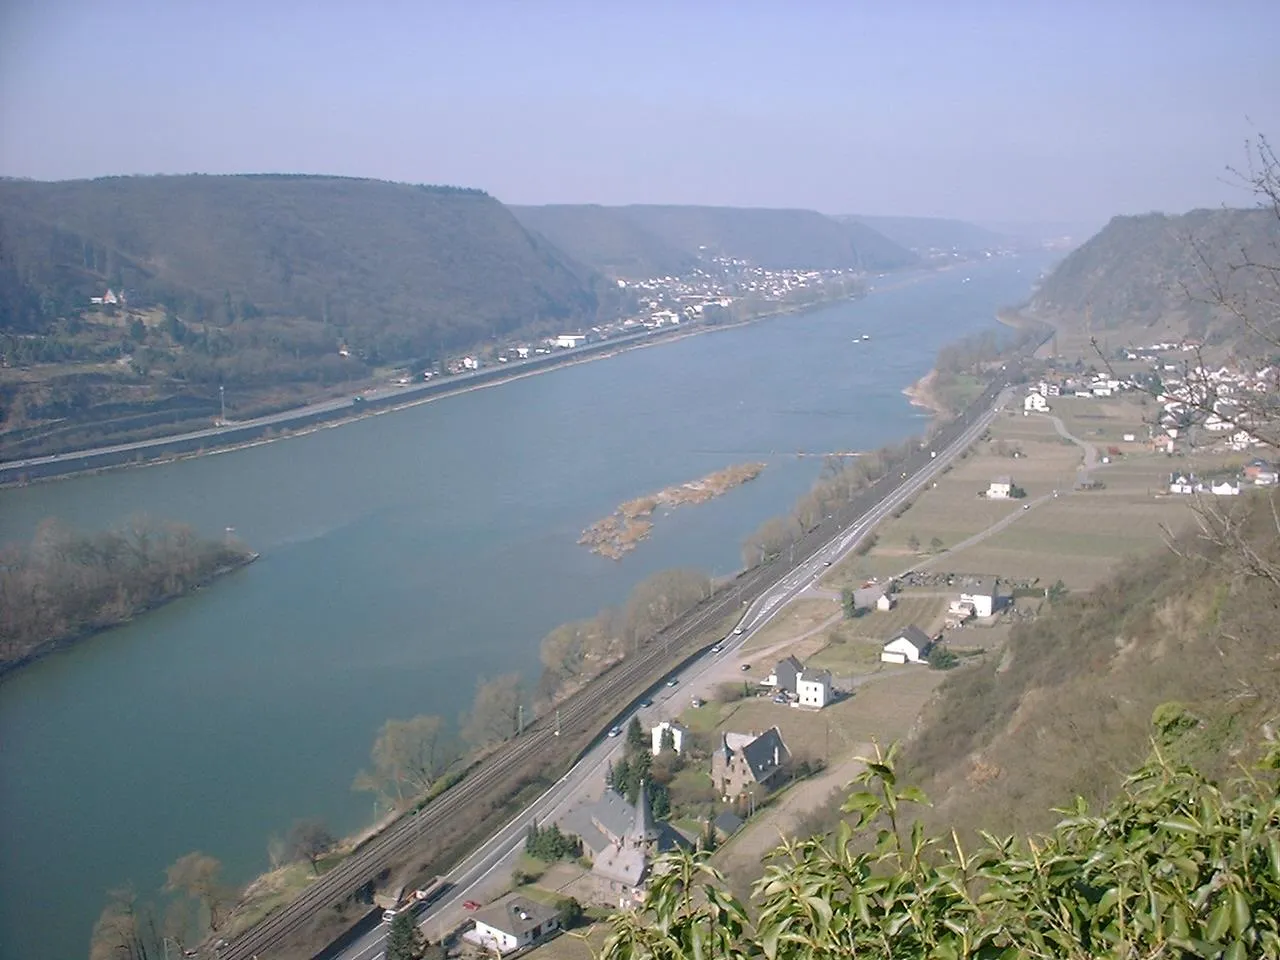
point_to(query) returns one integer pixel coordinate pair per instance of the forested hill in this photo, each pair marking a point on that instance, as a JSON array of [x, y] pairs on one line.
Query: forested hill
[[394, 269], [924, 234], [642, 240], [1153, 269]]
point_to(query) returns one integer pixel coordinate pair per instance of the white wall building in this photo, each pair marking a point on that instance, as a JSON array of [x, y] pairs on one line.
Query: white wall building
[[981, 594], [1001, 488], [678, 734], [513, 922], [1035, 402], [813, 688], [907, 647]]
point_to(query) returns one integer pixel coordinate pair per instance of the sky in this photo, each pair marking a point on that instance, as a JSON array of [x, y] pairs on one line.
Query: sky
[[986, 110]]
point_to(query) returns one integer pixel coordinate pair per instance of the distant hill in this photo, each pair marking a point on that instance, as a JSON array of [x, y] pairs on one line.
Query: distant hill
[[1147, 270], [606, 239], [395, 269], [644, 241], [922, 234]]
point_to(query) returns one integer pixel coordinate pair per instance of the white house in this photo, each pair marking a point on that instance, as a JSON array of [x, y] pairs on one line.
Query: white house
[[1225, 488], [678, 733], [1036, 402], [981, 594], [907, 647], [1183, 483], [813, 687], [513, 922], [522, 353], [886, 602], [1001, 488], [470, 363], [568, 341]]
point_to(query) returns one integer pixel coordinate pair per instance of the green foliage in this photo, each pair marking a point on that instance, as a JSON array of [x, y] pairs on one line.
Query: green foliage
[[636, 737], [667, 741], [550, 844], [403, 940], [936, 544], [1174, 866], [847, 604], [65, 583], [941, 658], [570, 912], [913, 543], [1057, 592]]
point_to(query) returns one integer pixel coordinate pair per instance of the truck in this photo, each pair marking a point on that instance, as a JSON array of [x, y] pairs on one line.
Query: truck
[[416, 900]]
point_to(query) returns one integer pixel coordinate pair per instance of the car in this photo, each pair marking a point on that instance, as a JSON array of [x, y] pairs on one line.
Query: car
[[672, 682], [826, 563], [717, 648], [470, 905], [646, 702], [780, 698], [737, 629], [1026, 506], [697, 702], [615, 731], [745, 667]]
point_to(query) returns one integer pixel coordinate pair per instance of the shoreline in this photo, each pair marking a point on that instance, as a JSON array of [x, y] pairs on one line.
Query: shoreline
[[921, 395], [285, 432], [57, 644]]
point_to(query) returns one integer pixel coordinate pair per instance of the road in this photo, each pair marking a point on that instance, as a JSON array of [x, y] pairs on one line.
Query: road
[[500, 850]]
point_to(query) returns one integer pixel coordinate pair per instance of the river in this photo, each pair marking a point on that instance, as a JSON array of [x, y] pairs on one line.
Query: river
[[403, 557]]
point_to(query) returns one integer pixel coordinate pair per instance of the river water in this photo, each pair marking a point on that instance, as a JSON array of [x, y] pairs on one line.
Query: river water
[[403, 557]]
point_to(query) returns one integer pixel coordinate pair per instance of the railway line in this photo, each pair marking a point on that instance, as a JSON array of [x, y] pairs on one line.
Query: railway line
[[580, 715]]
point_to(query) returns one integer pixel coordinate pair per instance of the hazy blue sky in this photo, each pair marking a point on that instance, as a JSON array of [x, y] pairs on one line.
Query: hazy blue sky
[[1004, 109]]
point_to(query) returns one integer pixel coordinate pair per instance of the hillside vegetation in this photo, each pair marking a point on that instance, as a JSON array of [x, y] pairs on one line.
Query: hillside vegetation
[[1157, 269], [642, 240], [922, 234]]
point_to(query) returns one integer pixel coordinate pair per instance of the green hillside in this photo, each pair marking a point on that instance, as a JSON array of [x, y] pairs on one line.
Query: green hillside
[[399, 269], [607, 239], [775, 239], [1138, 271], [646, 241], [922, 234]]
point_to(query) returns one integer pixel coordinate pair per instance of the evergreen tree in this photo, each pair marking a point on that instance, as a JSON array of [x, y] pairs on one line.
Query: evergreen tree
[[402, 938], [636, 739]]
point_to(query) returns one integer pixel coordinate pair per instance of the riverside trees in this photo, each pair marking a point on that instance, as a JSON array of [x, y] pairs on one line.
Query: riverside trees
[[407, 759], [65, 583]]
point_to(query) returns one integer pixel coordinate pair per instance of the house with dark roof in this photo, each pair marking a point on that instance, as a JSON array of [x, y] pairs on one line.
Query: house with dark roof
[[908, 645], [744, 762], [784, 675], [981, 592], [511, 923]]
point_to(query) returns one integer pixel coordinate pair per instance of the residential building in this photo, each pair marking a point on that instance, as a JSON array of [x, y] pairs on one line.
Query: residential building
[[1001, 488], [886, 602], [909, 646], [511, 923], [981, 593], [678, 734], [1224, 488], [784, 675], [1183, 483], [567, 341], [747, 762], [813, 687], [1035, 402]]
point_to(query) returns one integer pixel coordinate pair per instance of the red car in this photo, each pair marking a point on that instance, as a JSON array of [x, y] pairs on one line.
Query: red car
[[470, 905]]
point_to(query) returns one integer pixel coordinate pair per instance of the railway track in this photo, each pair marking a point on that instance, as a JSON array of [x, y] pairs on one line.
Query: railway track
[[578, 714]]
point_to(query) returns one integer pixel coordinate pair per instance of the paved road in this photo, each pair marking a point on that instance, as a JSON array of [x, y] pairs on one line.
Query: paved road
[[500, 850]]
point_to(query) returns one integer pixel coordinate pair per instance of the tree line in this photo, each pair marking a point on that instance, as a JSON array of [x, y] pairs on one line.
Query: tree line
[[66, 583]]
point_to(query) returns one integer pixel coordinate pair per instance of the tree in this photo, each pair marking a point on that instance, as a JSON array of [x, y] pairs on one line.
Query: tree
[[667, 741], [495, 712], [636, 739], [936, 544], [940, 658], [913, 543], [1057, 592], [310, 840], [124, 930], [403, 940], [408, 757], [198, 875], [570, 912], [659, 801], [848, 604]]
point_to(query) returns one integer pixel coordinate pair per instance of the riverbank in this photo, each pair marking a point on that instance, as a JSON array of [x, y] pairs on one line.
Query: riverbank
[[921, 395], [124, 614], [624, 529], [11, 474]]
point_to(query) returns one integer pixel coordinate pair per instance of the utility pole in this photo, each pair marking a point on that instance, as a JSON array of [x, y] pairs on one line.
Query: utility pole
[[222, 396], [519, 719], [557, 721]]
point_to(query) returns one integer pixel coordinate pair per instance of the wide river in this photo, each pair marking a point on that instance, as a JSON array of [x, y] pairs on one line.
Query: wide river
[[403, 557]]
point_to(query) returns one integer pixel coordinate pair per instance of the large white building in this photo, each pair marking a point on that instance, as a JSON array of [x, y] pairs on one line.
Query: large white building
[[513, 922], [678, 733], [813, 688], [981, 594]]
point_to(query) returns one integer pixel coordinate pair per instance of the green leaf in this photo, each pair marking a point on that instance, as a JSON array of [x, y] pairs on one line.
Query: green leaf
[[1219, 921], [1240, 914]]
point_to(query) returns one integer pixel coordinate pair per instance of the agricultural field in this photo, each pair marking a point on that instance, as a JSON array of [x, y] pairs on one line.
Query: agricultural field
[[801, 616], [853, 646]]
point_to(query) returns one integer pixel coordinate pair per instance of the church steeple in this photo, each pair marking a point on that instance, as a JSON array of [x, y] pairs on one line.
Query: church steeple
[[644, 831]]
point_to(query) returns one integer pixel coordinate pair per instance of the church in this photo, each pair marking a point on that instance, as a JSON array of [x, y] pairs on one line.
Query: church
[[622, 841]]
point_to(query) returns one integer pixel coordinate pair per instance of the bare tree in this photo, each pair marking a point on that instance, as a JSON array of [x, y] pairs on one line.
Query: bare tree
[[124, 930], [495, 712], [407, 758], [198, 875], [309, 840]]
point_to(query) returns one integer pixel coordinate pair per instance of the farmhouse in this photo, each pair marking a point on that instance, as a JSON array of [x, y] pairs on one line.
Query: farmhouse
[[506, 925], [1035, 402], [981, 594], [813, 687], [908, 646], [784, 675], [1001, 488]]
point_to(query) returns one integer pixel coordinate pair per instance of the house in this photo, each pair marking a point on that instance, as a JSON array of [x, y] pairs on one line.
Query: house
[[1035, 402], [959, 613], [470, 363], [813, 687], [1183, 483], [981, 593], [864, 598], [1001, 488], [1224, 488], [726, 825], [513, 922], [567, 341], [886, 602], [622, 841], [1260, 472], [784, 675], [743, 762], [678, 733], [1266, 478], [908, 646], [522, 353]]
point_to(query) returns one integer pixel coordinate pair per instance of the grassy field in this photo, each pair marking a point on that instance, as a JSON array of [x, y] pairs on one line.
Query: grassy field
[[853, 646], [799, 617]]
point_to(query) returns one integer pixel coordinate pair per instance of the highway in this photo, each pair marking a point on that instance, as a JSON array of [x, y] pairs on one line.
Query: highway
[[763, 589], [496, 853]]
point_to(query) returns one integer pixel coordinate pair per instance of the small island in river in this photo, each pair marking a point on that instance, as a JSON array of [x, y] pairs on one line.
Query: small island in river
[[66, 585], [621, 531]]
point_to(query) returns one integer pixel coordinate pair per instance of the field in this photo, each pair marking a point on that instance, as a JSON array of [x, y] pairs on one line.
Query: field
[[801, 616], [853, 646]]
